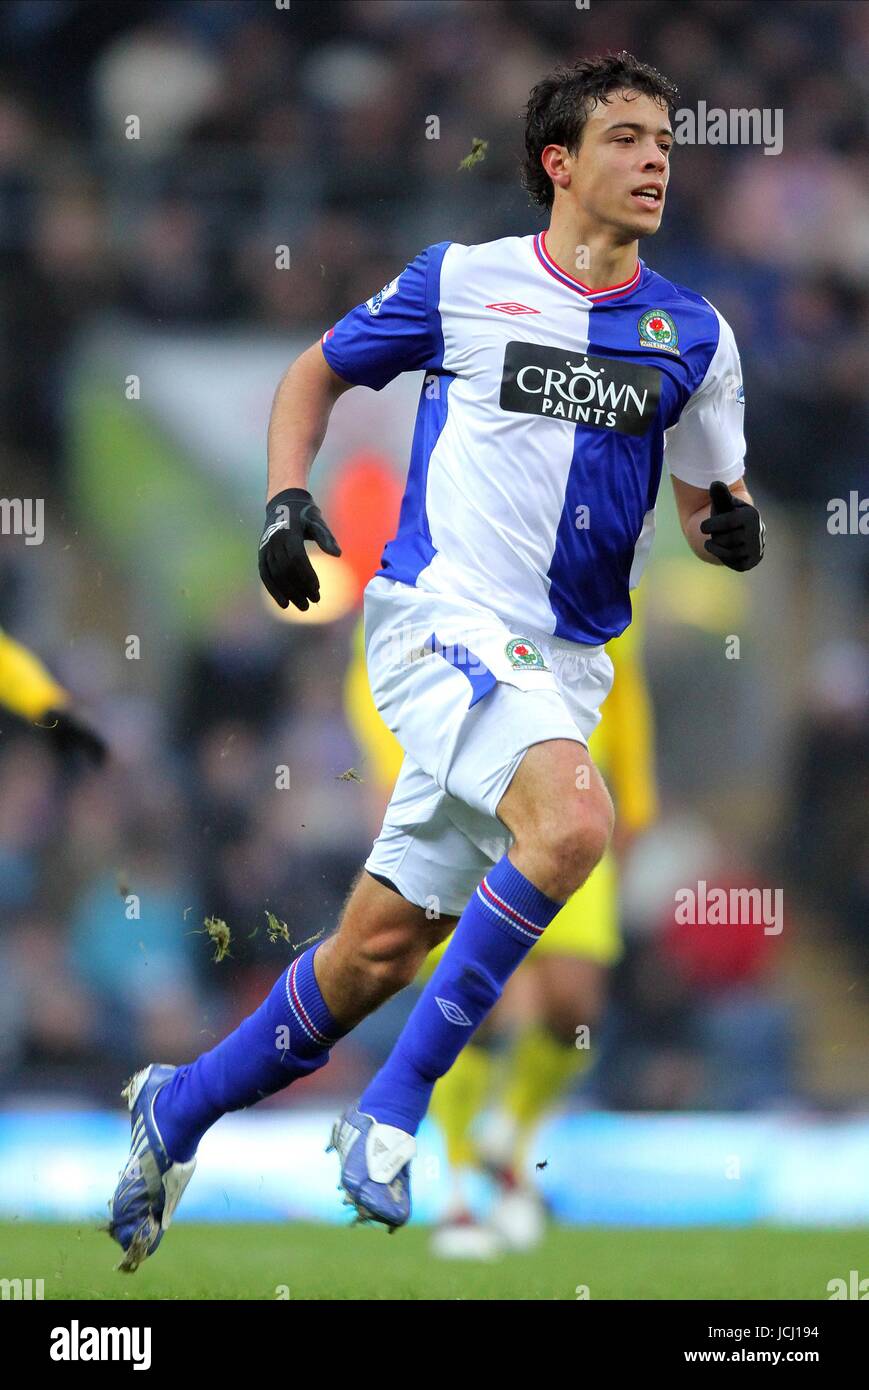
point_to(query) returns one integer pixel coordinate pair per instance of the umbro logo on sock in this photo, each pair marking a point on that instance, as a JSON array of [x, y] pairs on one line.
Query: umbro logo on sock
[[452, 1013]]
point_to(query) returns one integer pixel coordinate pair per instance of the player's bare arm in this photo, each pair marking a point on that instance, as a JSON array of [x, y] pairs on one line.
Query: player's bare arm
[[300, 415]]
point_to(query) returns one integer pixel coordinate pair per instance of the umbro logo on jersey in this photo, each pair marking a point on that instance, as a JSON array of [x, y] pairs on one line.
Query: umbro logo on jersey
[[581, 390], [511, 307]]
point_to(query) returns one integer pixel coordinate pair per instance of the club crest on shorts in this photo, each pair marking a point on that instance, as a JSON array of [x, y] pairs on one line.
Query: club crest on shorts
[[524, 655], [658, 330]]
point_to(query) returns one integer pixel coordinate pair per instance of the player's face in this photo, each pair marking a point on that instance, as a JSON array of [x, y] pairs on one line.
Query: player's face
[[620, 171]]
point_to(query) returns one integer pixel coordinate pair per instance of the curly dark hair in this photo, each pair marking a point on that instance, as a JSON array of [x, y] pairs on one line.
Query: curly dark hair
[[560, 104]]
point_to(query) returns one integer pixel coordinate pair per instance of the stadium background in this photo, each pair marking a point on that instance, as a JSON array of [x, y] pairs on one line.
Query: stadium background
[[155, 258]]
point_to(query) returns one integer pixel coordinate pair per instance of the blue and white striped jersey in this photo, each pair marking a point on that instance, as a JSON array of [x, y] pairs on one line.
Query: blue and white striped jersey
[[542, 424]]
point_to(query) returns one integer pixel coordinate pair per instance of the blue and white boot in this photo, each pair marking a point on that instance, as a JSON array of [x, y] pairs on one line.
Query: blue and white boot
[[150, 1186], [375, 1167]]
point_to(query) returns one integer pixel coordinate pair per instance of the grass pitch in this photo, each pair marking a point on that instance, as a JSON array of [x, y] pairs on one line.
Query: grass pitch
[[325, 1262]]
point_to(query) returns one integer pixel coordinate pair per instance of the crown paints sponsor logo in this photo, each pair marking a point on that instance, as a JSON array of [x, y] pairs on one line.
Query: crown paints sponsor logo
[[578, 389], [77, 1343]]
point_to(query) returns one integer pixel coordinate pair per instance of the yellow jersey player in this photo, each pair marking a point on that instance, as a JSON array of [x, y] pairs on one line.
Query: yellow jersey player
[[29, 691]]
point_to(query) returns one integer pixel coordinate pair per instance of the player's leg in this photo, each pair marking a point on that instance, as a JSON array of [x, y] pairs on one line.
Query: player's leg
[[521, 1082], [570, 976], [378, 948], [437, 863], [548, 1053], [380, 943], [555, 1003], [559, 833], [559, 836], [458, 1100], [569, 973], [546, 1057], [501, 739]]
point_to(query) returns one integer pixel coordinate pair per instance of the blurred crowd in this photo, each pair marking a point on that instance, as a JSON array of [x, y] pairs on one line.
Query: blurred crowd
[[310, 128], [253, 127], [224, 798]]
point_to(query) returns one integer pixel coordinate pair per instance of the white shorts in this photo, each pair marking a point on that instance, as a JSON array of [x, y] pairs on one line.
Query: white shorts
[[465, 695]]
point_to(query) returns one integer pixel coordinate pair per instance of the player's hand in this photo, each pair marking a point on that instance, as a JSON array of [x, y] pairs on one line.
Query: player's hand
[[293, 517], [735, 530], [72, 735]]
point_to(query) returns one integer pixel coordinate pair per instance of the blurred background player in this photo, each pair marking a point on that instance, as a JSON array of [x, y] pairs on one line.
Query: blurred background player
[[536, 1044], [28, 690]]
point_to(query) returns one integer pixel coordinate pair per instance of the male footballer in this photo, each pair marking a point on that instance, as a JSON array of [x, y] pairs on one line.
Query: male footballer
[[558, 369]]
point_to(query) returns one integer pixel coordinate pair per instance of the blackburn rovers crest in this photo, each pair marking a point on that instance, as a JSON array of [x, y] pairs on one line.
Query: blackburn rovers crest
[[524, 656], [658, 330]]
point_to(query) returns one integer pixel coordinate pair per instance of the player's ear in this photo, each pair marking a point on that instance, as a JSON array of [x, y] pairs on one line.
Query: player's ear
[[554, 159]]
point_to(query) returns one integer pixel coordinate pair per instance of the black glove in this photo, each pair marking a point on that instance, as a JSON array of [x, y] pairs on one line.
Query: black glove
[[736, 530], [71, 735], [293, 517]]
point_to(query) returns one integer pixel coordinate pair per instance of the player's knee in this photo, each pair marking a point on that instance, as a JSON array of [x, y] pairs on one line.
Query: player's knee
[[570, 841]]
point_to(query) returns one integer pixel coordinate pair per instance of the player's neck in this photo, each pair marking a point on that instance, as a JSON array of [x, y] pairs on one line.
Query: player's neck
[[589, 257]]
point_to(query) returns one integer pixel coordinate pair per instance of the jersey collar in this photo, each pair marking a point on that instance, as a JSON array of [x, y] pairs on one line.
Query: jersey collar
[[596, 296]]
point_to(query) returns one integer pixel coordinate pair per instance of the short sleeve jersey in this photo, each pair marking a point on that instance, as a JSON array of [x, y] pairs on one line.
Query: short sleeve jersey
[[545, 415]]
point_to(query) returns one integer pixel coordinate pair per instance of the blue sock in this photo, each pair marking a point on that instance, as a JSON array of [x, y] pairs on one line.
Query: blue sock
[[288, 1036], [504, 918]]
